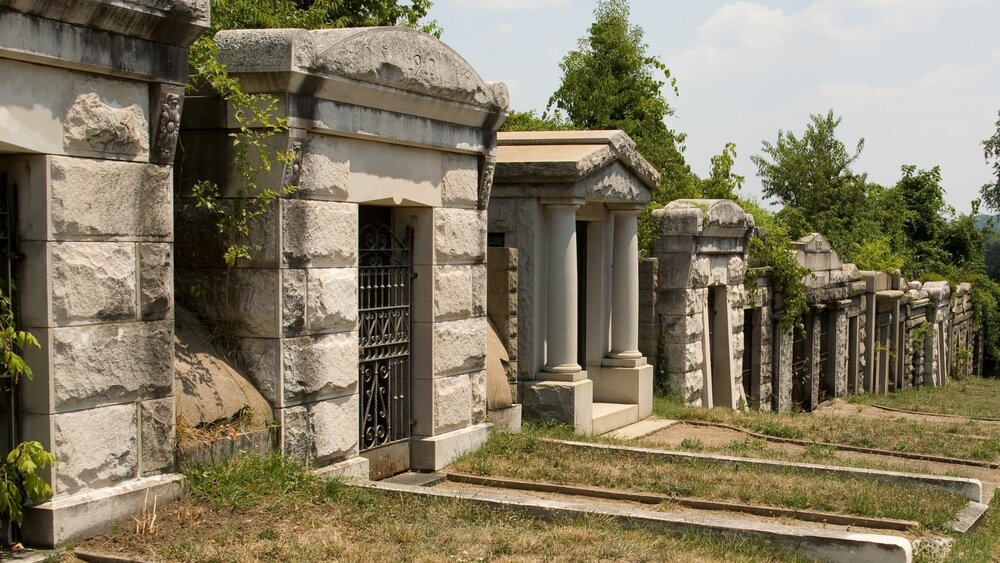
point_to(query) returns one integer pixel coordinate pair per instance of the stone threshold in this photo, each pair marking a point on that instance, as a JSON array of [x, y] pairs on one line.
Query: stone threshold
[[823, 544], [970, 489]]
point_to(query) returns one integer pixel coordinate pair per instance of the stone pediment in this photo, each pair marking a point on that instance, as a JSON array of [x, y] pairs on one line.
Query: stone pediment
[[596, 165], [392, 57]]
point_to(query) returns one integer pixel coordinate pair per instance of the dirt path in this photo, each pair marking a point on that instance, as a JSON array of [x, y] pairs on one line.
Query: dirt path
[[840, 407], [713, 438]]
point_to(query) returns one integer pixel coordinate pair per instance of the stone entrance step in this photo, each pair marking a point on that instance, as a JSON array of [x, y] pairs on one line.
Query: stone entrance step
[[416, 479], [612, 416]]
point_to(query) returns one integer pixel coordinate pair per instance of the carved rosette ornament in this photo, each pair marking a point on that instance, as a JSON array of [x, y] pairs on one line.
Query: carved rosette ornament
[[489, 164], [166, 125], [293, 170]]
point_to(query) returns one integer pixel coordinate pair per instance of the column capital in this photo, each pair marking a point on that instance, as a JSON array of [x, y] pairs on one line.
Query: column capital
[[625, 208], [563, 201]]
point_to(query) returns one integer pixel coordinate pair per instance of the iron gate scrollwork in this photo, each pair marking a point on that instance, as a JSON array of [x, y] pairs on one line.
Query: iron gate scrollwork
[[384, 290], [9, 255]]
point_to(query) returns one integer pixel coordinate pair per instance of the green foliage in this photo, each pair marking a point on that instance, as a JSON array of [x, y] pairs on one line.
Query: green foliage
[[610, 82], [770, 256], [531, 121], [18, 481], [991, 152], [722, 183], [316, 14], [877, 254], [920, 334]]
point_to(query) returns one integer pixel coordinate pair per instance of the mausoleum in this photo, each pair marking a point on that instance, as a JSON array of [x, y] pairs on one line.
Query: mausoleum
[[569, 202]]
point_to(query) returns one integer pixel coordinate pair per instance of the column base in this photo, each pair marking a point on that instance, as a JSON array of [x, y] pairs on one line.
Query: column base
[[562, 402], [432, 453], [87, 514], [626, 385], [506, 419]]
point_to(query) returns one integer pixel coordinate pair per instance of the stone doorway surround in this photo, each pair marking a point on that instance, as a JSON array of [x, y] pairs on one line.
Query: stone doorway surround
[[377, 116], [91, 106], [545, 183]]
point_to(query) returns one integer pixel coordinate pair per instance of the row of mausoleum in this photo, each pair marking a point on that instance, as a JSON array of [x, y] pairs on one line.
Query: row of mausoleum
[[421, 281]]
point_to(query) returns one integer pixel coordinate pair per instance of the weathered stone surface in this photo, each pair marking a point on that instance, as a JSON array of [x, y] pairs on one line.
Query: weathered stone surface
[[92, 281], [253, 298], [459, 236], [261, 357], [319, 234], [459, 346], [156, 279], [94, 448], [93, 126], [102, 364], [477, 380], [459, 292], [326, 168], [296, 434], [332, 304], [158, 436], [104, 198], [293, 301], [334, 425], [452, 403], [316, 367], [460, 185], [208, 388]]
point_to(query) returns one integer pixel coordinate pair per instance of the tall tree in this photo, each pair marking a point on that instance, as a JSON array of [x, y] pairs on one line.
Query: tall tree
[[991, 150], [610, 82], [315, 14]]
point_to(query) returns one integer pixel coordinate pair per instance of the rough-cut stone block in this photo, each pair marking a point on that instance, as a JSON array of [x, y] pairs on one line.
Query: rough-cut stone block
[[326, 168], [459, 346], [478, 382], [94, 448], [334, 425], [260, 357], [459, 292], [459, 236], [316, 367], [560, 402], [452, 403], [104, 198], [319, 234], [93, 126], [460, 186], [684, 357], [295, 439], [156, 419], [253, 294], [102, 364], [332, 304], [293, 301], [688, 385], [156, 281], [92, 281]]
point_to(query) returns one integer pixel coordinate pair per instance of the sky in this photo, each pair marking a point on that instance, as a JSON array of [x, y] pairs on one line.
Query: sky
[[919, 80]]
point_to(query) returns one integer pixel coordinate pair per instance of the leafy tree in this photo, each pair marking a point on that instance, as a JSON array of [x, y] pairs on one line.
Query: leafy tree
[[315, 14], [610, 82], [531, 121], [991, 151], [924, 222], [722, 183]]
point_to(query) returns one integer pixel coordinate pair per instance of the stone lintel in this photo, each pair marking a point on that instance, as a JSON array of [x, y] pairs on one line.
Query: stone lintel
[[38, 40]]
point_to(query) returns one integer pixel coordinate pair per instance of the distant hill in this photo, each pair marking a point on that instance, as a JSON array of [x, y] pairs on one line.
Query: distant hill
[[981, 221]]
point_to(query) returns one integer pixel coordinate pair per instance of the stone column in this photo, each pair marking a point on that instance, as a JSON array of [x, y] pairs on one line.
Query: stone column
[[625, 285], [561, 303]]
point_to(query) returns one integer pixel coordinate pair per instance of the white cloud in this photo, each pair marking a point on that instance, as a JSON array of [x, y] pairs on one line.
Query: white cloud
[[500, 30], [511, 5]]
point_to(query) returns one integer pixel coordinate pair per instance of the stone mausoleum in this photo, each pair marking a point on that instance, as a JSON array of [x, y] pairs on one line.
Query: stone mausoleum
[[90, 99], [361, 318], [569, 203]]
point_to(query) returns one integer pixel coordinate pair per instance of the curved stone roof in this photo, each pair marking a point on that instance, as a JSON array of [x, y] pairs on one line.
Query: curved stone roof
[[393, 57], [718, 217]]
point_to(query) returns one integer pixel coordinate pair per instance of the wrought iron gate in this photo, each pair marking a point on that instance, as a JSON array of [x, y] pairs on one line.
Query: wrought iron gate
[[385, 270], [826, 371], [749, 345], [800, 369]]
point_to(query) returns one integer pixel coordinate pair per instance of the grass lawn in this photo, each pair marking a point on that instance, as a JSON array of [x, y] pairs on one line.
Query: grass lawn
[[960, 439], [973, 397], [524, 456], [269, 509]]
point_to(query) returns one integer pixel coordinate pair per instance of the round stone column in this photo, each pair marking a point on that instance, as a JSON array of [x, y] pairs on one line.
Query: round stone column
[[561, 313], [625, 285]]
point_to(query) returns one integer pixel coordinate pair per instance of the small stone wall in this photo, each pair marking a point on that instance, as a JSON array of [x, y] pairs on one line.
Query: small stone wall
[[649, 329], [963, 331], [501, 303]]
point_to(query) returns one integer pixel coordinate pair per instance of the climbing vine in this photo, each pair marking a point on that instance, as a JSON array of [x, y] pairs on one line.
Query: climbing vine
[[18, 479]]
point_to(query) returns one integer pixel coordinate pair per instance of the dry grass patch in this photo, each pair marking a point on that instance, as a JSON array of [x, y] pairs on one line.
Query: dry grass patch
[[960, 439], [268, 509], [525, 456], [972, 397]]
